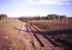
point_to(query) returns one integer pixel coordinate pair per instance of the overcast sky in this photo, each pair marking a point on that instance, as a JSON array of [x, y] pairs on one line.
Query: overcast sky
[[15, 8]]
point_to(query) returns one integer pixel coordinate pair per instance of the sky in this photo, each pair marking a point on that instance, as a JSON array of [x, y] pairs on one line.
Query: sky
[[16, 8]]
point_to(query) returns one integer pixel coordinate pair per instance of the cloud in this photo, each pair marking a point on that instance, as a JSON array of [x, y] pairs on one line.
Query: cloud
[[44, 2], [50, 2], [29, 0]]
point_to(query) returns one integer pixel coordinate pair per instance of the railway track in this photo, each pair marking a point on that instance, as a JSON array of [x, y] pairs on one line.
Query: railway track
[[46, 36], [42, 41]]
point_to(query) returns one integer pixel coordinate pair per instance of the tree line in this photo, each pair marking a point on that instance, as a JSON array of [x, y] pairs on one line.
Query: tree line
[[48, 17]]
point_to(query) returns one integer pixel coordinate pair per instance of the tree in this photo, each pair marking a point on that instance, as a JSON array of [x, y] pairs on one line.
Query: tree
[[3, 17], [51, 16]]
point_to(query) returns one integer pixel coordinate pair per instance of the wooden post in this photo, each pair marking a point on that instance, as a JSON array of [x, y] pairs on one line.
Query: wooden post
[[67, 20], [59, 20]]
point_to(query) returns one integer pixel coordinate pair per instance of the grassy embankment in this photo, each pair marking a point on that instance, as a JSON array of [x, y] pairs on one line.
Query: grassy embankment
[[11, 32]]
